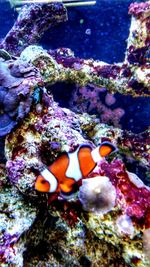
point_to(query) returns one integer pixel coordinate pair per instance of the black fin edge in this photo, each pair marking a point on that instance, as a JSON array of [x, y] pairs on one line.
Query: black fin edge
[[113, 147]]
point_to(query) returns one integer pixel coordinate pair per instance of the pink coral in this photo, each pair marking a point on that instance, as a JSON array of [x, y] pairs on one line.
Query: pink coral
[[137, 9], [110, 99], [89, 99]]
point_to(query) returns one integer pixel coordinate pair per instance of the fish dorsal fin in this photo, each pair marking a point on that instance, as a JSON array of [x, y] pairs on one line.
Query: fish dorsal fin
[[102, 151], [106, 148]]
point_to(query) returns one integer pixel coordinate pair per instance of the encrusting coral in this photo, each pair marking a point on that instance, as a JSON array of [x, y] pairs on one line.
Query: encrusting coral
[[98, 195], [45, 229]]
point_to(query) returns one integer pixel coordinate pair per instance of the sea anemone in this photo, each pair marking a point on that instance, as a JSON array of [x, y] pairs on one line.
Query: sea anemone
[[97, 195]]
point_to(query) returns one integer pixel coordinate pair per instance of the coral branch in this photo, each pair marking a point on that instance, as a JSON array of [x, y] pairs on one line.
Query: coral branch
[[116, 77], [129, 77], [31, 24], [122, 78], [138, 43], [136, 146], [61, 65]]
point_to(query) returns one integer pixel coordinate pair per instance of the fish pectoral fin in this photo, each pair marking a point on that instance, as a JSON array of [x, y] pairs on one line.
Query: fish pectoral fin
[[65, 188], [67, 185]]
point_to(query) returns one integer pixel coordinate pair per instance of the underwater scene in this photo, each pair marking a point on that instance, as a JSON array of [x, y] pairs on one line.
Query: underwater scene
[[74, 133]]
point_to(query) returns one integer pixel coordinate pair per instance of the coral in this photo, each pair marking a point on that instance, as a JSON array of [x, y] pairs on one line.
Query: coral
[[17, 83], [88, 99], [31, 24], [139, 9], [146, 243], [97, 195], [124, 225], [137, 51]]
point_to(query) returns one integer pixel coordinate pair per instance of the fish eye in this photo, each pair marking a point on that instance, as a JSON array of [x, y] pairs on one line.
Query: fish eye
[[43, 182]]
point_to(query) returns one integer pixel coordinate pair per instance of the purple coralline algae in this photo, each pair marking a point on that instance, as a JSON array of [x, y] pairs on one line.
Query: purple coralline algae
[[107, 220], [17, 82], [31, 24]]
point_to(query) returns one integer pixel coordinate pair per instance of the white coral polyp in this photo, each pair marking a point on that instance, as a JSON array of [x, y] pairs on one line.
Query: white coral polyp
[[124, 225], [146, 244], [97, 195]]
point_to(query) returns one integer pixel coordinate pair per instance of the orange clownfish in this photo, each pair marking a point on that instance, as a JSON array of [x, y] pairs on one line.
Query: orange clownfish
[[69, 168]]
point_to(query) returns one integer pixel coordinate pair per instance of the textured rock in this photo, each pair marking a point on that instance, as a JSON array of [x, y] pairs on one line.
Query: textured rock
[[16, 217]]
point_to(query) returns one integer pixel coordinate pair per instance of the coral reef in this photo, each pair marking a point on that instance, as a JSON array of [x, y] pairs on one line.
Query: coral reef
[[37, 142], [44, 135], [107, 221]]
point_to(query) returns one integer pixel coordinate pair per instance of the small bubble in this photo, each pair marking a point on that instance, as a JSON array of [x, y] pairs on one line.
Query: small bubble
[[88, 31], [38, 108], [81, 21]]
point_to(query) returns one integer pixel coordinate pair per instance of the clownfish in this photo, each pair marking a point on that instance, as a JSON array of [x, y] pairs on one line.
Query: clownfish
[[69, 168]]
